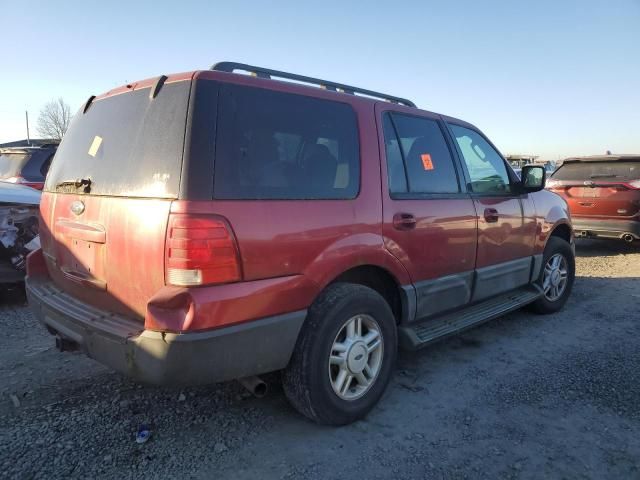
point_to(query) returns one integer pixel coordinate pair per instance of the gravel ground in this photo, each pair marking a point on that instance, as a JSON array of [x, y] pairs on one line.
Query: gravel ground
[[524, 396]]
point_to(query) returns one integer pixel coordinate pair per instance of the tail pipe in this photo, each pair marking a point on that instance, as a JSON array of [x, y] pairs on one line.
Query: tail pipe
[[627, 237], [255, 385], [65, 345]]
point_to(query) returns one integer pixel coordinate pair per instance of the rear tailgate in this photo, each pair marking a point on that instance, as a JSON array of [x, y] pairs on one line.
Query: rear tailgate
[[112, 255], [104, 243]]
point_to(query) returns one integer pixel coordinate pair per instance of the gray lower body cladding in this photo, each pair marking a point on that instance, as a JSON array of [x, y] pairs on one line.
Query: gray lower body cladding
[[227, 353], [587, 227]]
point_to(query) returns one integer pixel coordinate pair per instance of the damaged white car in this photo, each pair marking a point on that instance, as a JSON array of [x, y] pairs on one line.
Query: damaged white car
[[18, 229]]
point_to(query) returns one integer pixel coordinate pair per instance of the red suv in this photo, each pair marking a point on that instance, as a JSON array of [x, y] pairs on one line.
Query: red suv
[[213, 225], [603, 193]]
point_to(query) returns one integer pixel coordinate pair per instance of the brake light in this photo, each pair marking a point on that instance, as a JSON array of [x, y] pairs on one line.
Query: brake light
[[22, 181], [550, 183], [200, 250], [635, 184]]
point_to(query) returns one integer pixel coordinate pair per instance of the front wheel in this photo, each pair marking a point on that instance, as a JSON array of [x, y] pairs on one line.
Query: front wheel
[[557, 276], [344, 356]]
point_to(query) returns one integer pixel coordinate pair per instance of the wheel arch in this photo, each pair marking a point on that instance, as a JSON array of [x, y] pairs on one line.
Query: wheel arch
[[563, 231], [383, 282]]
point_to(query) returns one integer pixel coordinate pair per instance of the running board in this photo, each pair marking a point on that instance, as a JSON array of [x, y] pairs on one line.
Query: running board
[[434, 329]]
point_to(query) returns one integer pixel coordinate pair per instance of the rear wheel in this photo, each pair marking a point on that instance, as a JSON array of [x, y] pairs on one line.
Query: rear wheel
[[557, 276], [344, 356]]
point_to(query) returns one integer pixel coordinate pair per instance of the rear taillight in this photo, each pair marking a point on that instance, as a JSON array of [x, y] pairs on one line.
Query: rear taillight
[[22, 181], [200, 250], [635, 184], [550, 183]]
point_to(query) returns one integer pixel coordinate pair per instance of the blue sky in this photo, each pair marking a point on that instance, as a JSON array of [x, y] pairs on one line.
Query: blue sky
[[555, 78]]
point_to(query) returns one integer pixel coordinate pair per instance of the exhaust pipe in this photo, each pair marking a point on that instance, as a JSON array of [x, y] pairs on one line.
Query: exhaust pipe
[[64, 345], [255, 385], [627, 237]]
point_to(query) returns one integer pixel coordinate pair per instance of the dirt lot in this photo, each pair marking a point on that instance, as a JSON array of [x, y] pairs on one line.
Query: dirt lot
[[524, 396]]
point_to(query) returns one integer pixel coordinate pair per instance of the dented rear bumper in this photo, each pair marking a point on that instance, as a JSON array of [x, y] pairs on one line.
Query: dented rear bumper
[[232, 352]]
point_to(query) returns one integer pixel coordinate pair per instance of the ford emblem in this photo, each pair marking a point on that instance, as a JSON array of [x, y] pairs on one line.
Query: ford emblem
[[77, 207]]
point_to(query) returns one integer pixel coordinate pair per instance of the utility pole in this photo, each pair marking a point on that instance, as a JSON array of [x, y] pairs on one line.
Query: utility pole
[[26, 114]]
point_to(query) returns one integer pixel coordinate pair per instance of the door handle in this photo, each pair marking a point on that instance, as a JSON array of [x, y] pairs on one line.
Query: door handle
[[490, 215], [404, 221]]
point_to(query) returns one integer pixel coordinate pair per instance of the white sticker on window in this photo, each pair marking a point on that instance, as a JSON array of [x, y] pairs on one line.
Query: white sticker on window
[[95, 145]]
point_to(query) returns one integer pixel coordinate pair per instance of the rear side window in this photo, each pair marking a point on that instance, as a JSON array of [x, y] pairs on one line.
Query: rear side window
[[418, 158], [45, 165], [273, 145], [611, 170], [126, 144]]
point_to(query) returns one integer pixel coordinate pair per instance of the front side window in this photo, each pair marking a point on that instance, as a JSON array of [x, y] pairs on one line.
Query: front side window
[[487, 170], [418, 158], [273, 145]]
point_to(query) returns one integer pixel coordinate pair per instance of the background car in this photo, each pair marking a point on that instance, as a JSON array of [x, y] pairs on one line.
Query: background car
[[603, 193], [18, 229], [26, 165]]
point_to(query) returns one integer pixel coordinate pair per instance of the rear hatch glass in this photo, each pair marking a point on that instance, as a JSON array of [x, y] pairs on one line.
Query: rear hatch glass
[[126, 145], [11, 164], [594, 171]]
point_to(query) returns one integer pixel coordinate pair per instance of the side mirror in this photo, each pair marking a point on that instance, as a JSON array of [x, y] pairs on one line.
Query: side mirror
[[533, 178]]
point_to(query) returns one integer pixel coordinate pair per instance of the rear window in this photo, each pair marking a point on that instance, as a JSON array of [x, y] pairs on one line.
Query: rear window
[[11, 164], [273, 145], [598, 170], [127, 144]]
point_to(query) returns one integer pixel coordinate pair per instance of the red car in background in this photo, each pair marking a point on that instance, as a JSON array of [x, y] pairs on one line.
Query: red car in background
[[603, 193]]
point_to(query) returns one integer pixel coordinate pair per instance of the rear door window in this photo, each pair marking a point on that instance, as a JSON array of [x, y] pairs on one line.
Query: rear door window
[[126, 144], [593, 171], [273, 145], [418, 158]]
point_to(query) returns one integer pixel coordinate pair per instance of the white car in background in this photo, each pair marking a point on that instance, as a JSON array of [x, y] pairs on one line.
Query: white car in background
[[18, 229]]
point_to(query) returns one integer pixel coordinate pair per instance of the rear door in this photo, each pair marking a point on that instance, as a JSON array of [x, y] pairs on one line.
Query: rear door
[[429, 221], [505, 234], [599, 189], [108, 194]]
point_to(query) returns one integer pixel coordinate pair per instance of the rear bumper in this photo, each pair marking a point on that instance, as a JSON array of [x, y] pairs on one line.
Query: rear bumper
[[123, 344], [588, 227]]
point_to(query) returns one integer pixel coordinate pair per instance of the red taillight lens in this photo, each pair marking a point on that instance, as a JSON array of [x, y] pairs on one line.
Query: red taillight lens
[[22, 181], [551, 184], [200, 250]]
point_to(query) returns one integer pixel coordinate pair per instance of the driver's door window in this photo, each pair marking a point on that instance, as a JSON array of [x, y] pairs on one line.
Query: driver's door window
[[486, 167]]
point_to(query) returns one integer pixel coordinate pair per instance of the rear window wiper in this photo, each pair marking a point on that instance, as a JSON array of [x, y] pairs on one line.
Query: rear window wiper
[[603, 175], [82, 185]]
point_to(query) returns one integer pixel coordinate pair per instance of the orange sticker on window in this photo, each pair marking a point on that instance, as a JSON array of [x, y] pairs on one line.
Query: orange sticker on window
[[427, 164]]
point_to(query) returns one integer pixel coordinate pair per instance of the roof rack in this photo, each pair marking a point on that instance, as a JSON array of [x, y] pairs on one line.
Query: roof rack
[[336, 87]]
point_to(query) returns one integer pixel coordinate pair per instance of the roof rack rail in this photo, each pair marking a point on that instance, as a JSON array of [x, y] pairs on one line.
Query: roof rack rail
[[261, 72]]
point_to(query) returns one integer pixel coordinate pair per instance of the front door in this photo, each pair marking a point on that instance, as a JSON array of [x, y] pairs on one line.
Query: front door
[[505, 234], [429, 221]]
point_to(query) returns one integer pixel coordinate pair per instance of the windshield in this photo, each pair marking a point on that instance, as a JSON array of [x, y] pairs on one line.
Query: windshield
[[126, 145], [11, 164], [582, 171]]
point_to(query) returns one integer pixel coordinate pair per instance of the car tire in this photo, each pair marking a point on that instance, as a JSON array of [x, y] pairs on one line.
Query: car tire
[[338, 340], [557, 251]]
